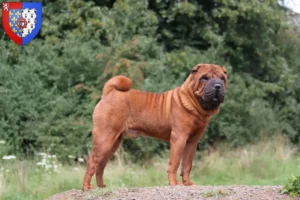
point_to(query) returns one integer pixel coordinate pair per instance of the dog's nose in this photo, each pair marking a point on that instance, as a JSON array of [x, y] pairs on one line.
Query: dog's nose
[[217, 86]]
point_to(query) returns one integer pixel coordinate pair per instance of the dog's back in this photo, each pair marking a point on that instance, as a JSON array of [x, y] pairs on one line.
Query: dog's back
[[132, 110]]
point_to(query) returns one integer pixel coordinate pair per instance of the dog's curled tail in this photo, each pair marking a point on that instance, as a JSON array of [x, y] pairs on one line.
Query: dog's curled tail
[[121, 83]]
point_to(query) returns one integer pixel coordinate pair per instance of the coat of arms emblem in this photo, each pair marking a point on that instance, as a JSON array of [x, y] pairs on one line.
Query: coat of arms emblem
[[22, 20]]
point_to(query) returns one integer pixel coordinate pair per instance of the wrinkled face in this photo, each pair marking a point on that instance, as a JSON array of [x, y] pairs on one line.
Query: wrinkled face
[[210, 84]]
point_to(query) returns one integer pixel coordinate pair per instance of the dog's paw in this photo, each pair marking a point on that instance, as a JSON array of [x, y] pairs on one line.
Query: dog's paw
[[102, 186], [188, 183], [174, 183], [87, 187]]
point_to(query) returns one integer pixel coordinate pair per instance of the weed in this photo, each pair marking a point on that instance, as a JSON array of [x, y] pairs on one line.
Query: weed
[[293, 186]]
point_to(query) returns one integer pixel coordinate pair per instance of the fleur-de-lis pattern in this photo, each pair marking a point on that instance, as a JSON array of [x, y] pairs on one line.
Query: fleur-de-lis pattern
[[14, 16], [28, 14]]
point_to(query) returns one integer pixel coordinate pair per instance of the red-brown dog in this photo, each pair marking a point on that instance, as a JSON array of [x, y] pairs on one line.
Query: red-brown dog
[[179, 116]]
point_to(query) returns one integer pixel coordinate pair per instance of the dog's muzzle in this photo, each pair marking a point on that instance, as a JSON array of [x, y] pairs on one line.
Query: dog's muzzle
[[214, 94]]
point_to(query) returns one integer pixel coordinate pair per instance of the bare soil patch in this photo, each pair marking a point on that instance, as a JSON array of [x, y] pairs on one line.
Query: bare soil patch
[[179, 192]]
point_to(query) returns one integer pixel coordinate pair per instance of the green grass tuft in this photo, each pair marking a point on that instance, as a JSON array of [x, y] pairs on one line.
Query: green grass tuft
[[293, 186]]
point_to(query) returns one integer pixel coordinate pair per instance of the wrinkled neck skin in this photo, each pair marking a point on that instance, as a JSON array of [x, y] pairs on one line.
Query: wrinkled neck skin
[[191, 102]]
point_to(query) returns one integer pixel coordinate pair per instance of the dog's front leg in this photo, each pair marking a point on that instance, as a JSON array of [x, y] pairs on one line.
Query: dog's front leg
[[187, 160], [178, 142]]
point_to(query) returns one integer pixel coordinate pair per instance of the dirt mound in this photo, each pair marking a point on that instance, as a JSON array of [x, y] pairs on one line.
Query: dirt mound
[[179, 192]]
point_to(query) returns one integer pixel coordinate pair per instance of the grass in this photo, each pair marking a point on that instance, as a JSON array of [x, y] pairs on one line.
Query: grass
[[266, 163]]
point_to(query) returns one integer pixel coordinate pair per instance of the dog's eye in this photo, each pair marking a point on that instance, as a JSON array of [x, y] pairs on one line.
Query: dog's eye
[[223, 78], [204, 78]]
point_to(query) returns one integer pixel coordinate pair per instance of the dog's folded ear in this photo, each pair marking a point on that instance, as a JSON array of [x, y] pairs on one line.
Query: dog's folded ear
[[195, 69]]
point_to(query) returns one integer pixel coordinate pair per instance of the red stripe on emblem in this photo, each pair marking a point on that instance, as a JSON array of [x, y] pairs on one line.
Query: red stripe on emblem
[[5, 21], [13, 5]]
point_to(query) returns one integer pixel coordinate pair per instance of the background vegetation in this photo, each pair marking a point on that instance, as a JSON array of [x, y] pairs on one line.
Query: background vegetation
[[48, 89], [251, 165]]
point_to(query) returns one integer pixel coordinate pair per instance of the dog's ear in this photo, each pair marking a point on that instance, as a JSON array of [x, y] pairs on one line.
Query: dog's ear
[[224, 70], [195, 69]]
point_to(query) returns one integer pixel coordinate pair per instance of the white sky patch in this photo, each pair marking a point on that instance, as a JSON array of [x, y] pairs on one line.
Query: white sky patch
[[293, 4]]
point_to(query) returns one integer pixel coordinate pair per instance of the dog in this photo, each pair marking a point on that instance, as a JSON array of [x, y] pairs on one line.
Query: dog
[[178, 116]]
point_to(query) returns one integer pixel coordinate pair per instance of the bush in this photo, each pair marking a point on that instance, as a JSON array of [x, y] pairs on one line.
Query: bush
[[293, 186]]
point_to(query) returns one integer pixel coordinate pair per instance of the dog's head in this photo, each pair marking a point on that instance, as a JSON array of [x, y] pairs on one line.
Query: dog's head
[[209, 85]]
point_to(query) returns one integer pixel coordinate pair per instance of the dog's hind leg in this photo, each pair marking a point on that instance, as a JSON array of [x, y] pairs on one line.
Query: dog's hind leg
[[103, 162], [102, 146]]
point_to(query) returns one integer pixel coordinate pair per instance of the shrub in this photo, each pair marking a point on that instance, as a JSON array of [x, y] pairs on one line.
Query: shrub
[[293, 186]]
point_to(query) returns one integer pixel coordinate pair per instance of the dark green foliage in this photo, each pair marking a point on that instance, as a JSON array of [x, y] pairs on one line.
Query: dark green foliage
[[293, 187], [48, 88]]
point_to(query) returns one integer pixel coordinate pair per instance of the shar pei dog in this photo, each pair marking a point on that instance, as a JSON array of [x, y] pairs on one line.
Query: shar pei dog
[[178, 116]]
